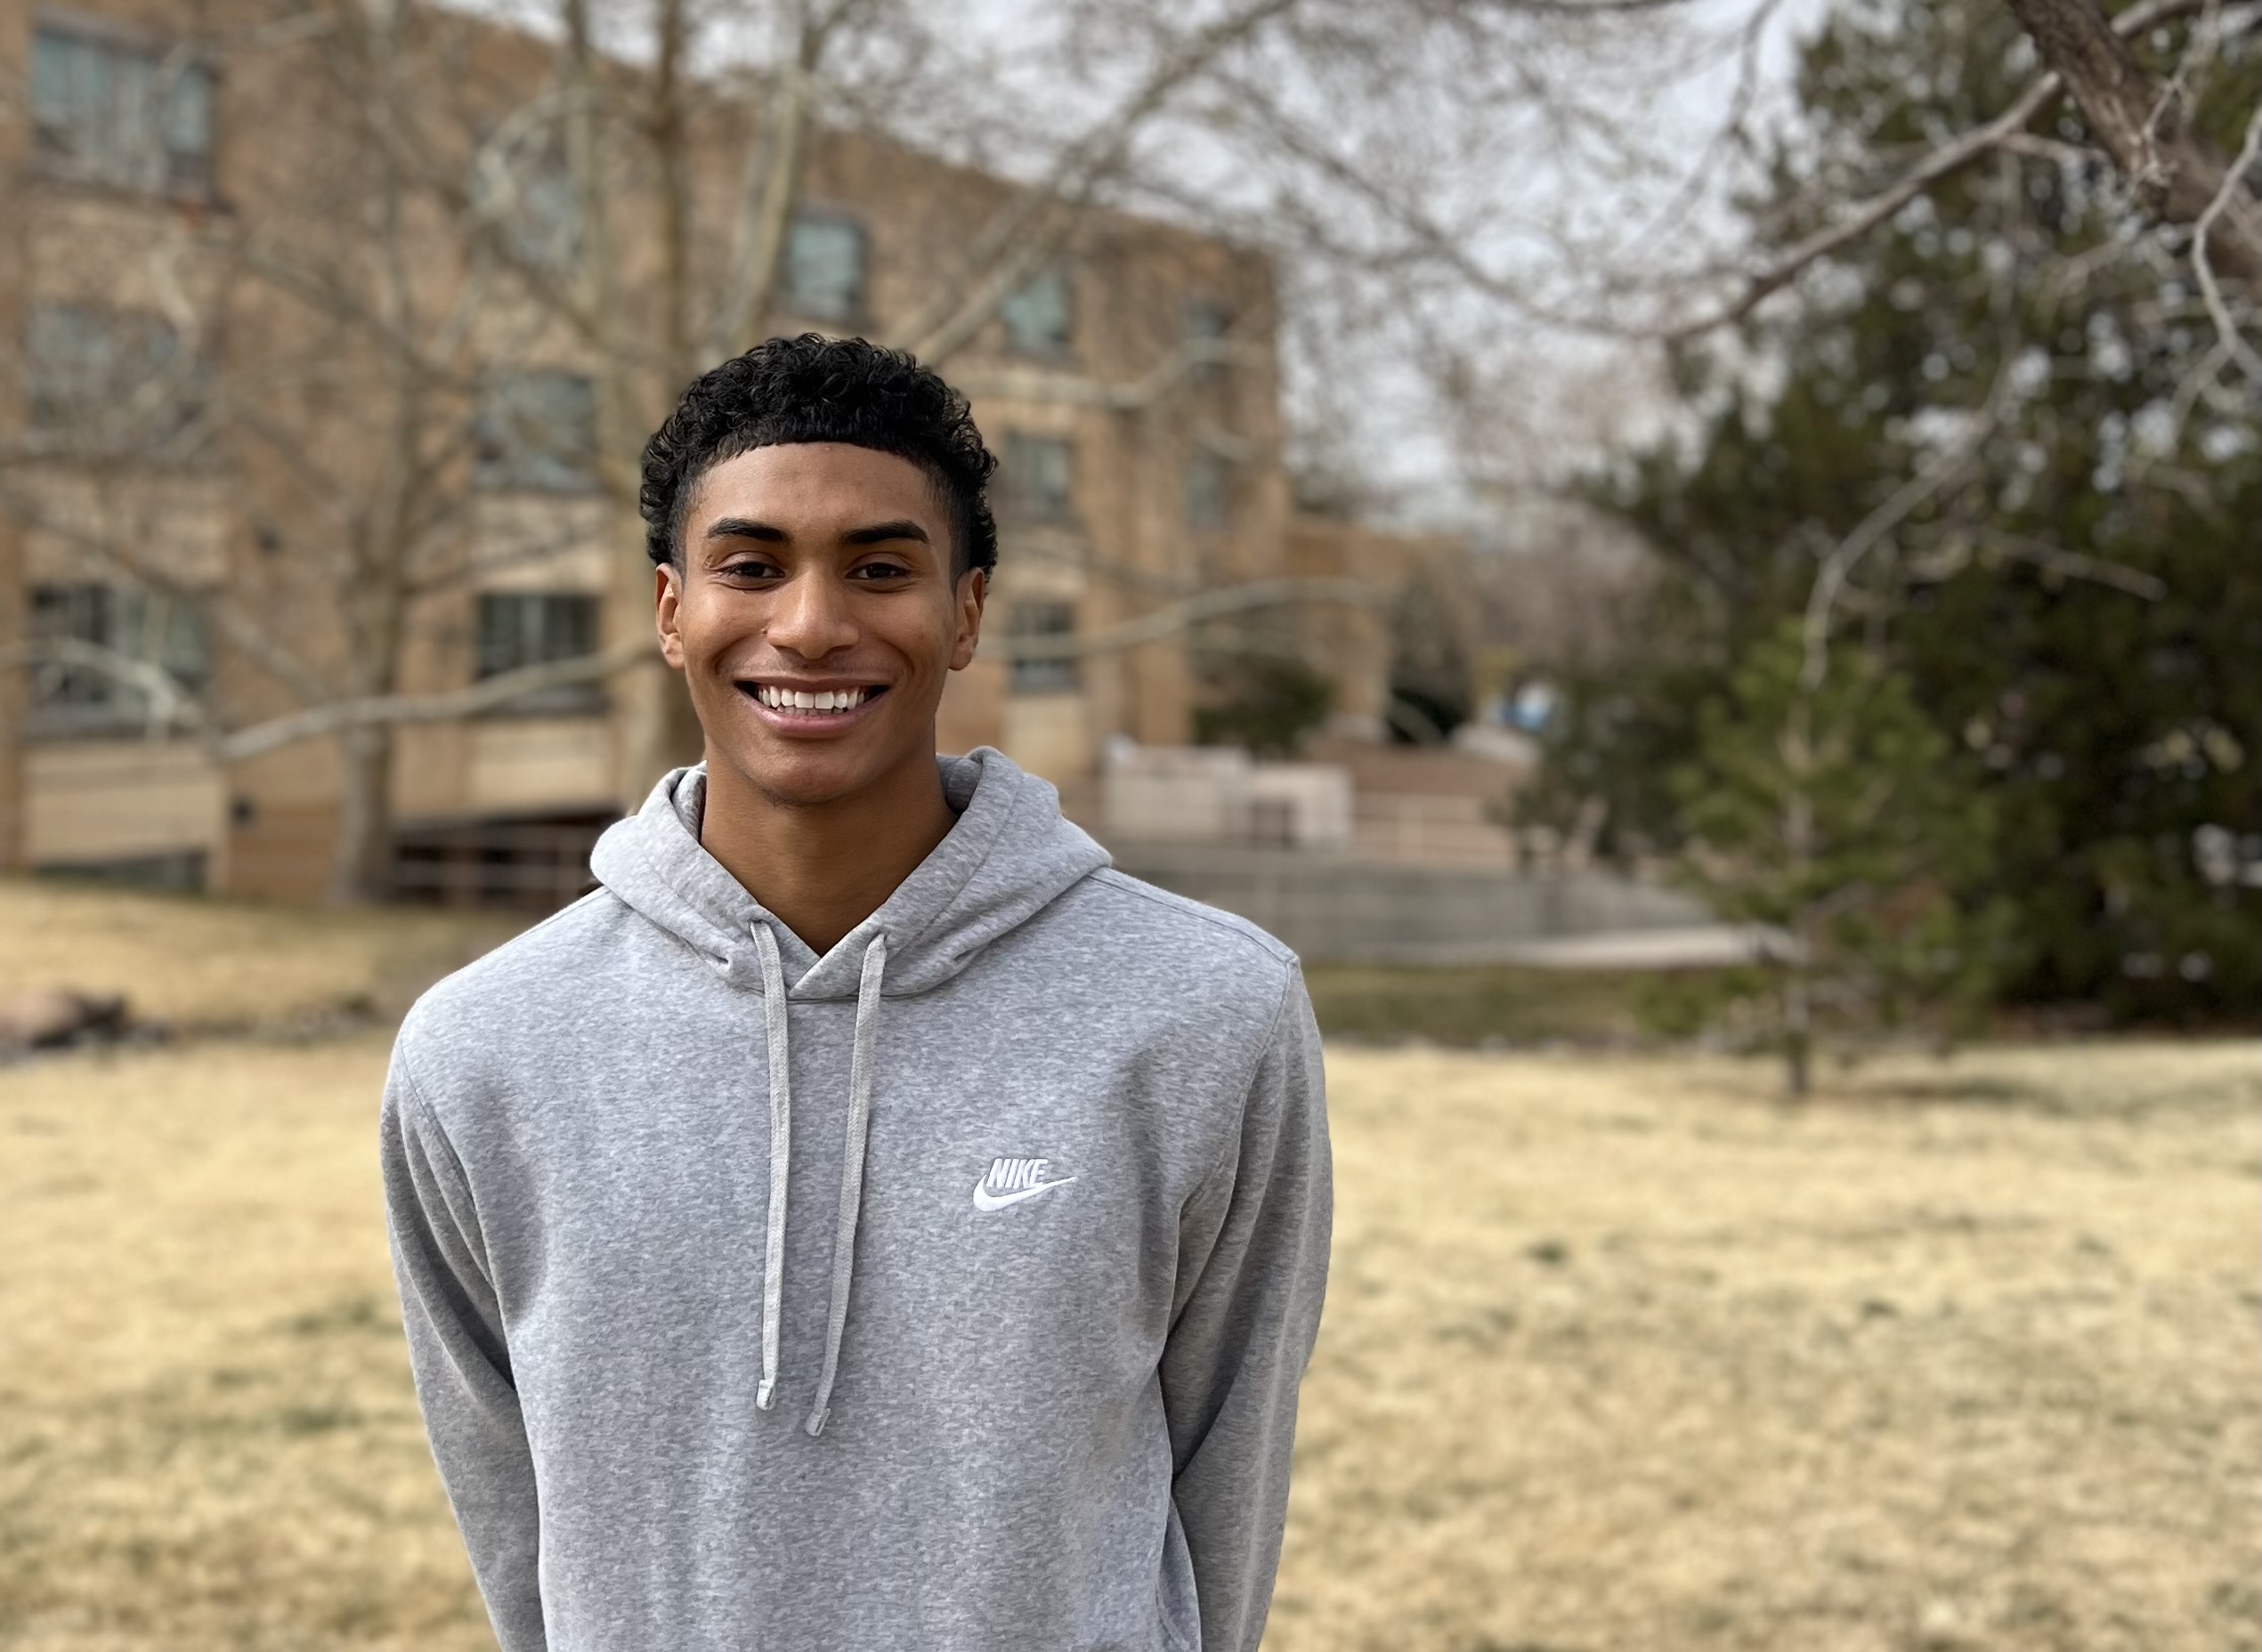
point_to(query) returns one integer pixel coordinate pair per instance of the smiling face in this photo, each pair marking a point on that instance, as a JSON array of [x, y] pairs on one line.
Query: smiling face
[[816, 617]]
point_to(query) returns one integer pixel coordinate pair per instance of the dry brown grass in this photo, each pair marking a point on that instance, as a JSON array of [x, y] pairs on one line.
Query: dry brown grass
[[1619, 1355], [1627, 1356], [196, 962], [207, 1436]]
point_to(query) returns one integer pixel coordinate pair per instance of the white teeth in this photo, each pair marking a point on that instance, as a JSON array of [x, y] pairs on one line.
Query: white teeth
[[803, 700]]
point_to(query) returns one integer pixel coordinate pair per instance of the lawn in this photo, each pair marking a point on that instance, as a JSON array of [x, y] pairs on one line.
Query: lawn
[[196, 964], [1620, 1352], [201, 965]]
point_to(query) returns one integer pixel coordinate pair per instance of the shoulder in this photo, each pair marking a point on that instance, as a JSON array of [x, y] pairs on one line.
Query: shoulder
[[1226, 957], [1206, 927], [536, 980]]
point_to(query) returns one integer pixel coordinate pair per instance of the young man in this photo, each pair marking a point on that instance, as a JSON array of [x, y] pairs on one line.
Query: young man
[[868, 1220]]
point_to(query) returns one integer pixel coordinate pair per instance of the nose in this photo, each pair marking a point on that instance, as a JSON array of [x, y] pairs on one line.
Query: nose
[[811, 618]]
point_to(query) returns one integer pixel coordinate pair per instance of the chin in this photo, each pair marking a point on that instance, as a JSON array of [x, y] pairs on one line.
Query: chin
[[806, 780]]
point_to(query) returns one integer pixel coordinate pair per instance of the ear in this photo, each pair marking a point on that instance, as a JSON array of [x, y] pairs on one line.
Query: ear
[[668, 595], [973, 591]]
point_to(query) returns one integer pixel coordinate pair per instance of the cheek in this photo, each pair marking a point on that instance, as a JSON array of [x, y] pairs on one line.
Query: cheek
[[942, 645], [709, 627], [925, 636]]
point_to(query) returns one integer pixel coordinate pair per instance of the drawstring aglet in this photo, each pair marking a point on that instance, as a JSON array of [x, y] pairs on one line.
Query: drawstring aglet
[[816, 1422], [762, 1395]]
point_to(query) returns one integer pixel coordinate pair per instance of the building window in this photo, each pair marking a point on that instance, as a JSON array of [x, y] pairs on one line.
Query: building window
[[519, 629], [1206, 328], [536, 431], [1035, 314], [1048, 620], [824, 267], [1209, 492], [530, 195], [109, 370], [118, 114], [78, 696], [1039, 477]]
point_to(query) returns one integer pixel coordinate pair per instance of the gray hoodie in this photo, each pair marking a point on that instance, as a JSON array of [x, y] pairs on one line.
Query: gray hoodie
[[949, 1291]]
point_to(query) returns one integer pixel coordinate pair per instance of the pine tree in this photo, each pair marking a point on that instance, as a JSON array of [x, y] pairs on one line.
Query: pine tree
[[1819, 811], [2077, 611]]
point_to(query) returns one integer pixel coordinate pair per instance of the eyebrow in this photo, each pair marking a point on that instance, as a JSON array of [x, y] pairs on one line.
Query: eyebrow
[[740, 528], [879, 533]]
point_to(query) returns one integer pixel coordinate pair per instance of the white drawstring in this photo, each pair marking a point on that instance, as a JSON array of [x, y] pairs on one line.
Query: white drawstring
[[781, 1138], [852, 1172], [852, 1165]]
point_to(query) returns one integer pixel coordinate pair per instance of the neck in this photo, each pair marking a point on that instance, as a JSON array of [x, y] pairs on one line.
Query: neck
[[824, 868]]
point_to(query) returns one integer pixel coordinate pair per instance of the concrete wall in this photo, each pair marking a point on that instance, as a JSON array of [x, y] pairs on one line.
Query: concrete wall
[[1336, 908], [1212, 795], [102, 800]]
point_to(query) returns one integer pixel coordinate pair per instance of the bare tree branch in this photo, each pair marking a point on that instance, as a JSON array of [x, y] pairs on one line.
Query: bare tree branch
[[2203, 244], [172, 704], [2173, 172], [1941, 163], [1020, 239], [1842, 559], [774, 184], [1955, 556], [1175, 616], [388, 710], [225, 617], [1403, 208], [1042, 384]]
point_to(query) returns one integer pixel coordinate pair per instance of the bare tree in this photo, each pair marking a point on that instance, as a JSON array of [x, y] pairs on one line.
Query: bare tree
[[457, 194], [346, 424], [615, 189], [2139, 120], [1469, 194]]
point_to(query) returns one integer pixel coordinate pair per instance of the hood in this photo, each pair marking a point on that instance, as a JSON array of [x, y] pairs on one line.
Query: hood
[[1010, 853]]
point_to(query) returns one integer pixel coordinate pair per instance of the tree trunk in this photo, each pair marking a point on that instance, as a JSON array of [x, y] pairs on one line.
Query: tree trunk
[[1798, 1034], [1800, 849], [2174, 173], [1797, 991], [15, 699], [654, 725], [361, 853]]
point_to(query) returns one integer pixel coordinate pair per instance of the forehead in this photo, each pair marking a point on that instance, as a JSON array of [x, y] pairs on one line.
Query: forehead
[[812, 487]]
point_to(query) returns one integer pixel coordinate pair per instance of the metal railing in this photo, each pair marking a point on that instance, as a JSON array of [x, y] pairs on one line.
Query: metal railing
[[526, 865]]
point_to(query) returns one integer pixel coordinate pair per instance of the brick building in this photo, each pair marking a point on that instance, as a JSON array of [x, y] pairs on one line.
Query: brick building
[[160, 149]]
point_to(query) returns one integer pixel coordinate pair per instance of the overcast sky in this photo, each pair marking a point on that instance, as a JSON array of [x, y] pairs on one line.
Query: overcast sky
[[1637, 184]]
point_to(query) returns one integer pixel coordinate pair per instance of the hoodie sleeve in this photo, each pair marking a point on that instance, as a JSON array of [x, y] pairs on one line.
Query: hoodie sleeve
[[460, 1360], [1252, 1273]]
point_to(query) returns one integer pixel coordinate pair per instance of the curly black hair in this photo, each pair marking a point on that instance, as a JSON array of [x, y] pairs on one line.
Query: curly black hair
[[816, 389]]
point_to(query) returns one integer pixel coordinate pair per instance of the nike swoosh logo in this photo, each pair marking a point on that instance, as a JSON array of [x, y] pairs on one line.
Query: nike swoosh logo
[[984, 1200]]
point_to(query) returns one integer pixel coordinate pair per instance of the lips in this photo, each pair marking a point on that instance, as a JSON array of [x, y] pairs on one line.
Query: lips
[[810, 709]]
